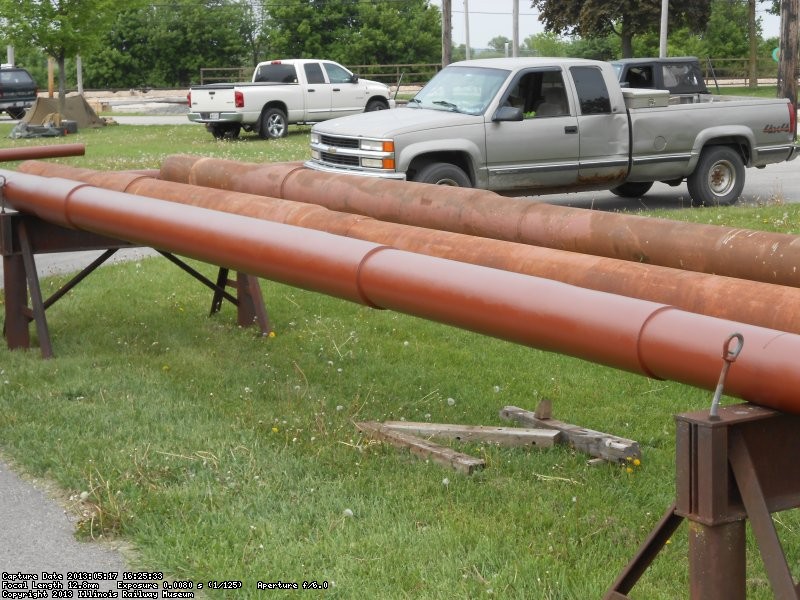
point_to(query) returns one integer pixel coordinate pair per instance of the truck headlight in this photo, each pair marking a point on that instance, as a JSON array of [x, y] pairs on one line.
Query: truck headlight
[[315, 138], [377, 145]]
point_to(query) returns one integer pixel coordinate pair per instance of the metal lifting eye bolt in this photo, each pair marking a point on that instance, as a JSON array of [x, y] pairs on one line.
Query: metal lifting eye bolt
[[729, 355]]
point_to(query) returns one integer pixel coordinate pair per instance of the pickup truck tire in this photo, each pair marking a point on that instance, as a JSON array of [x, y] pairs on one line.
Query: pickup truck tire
[[15, 112], [225, 132], [718, 178], [632, 189], [443, 174], [273, 124], [373, 105]]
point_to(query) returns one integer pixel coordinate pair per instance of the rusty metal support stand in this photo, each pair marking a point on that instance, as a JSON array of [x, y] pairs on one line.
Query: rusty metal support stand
[[739, 466], [23, 236], [248, 299]]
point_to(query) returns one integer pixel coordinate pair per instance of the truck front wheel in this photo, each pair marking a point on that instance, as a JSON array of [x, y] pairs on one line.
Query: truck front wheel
[[373, 105], [718, 178], [443, 174], [273, 124]]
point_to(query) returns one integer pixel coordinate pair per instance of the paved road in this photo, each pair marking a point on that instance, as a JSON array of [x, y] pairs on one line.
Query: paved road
[[37, 535]]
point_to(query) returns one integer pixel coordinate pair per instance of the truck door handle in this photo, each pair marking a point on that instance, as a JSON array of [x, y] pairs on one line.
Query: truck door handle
[[310, 90], [337, 89], [571, 129]]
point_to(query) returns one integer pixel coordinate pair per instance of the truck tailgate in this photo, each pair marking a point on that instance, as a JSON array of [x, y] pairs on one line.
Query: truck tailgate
[[217, 98]]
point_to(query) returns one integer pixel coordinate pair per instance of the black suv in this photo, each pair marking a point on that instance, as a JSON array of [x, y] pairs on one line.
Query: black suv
[[17, 91]]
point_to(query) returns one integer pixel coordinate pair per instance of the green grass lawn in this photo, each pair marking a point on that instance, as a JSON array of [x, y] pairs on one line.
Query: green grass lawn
[[221, 455]]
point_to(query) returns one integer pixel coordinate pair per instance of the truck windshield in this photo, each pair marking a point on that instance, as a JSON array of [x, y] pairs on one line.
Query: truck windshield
[[461, 89]]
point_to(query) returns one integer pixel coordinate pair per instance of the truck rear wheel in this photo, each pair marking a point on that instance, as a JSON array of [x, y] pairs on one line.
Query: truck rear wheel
[[718, 178], [273, 124], [632, 189], [225, 132], [15, 112], [443, 174]]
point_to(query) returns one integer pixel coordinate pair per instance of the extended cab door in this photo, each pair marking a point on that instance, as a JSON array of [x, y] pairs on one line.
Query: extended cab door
[[541, 151], [348, 97], [603, 130], [317, 93]]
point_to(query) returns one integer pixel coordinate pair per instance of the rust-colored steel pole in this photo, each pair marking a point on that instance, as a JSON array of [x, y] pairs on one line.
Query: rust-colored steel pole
[[31, 152], [644, 337], [724, 297], [741, 253]]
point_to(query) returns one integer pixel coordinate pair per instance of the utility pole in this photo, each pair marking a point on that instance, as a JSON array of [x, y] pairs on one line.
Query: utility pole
[[515, 34], [447, 32], [662, 45], [789, 47], [466, 25], [751, 34]]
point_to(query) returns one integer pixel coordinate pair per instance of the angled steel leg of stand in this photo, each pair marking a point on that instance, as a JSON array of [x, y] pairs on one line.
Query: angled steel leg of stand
[[744, 470], [37, 304], [222, 282], [645, 555], [251, 307]]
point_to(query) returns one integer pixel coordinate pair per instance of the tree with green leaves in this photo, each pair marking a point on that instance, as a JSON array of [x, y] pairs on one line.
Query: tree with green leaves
[[624, 18], [354, 32], [499, 43], [60, 28], [166, 44]]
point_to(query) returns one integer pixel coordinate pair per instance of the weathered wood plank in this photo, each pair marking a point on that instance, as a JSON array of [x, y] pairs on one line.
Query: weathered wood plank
[[505, 436], [463, 463], [595, 443]]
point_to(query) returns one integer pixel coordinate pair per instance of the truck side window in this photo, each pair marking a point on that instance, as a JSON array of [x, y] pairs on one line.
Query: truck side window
[[314, 73], [640, 77], [553, 96], [592, 91], [337, 74]]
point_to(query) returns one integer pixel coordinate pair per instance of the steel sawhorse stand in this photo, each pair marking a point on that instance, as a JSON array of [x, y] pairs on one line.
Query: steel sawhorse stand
[[741, 466], [22, 236]]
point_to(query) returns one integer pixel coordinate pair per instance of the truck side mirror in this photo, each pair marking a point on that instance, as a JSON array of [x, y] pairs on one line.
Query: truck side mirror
[[354, 78], [508, 113]]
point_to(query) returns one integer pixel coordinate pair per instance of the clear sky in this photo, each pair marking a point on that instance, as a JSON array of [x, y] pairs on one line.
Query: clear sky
[[490, 18]]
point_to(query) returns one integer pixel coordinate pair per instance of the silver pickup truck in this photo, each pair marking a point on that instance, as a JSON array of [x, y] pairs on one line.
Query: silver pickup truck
[[529, 126]]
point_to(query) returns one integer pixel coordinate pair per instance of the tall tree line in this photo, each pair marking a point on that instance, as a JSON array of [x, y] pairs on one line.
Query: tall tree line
[[165, 43]]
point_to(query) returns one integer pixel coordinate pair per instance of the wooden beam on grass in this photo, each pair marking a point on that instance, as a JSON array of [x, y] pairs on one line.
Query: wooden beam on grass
[[504, 436], [595, 443], [463, 463]]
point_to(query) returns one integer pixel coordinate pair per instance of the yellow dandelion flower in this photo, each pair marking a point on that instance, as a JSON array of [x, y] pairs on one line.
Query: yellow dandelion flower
[[272, 334], [637, 462], [628, 470], [274, 430]]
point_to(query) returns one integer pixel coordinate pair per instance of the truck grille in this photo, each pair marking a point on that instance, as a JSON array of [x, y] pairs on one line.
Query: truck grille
[[338, 159], [340, 142]]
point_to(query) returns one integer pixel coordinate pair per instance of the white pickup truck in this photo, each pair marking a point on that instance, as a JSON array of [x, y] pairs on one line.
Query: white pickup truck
[[283, 92], [531, 126]]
